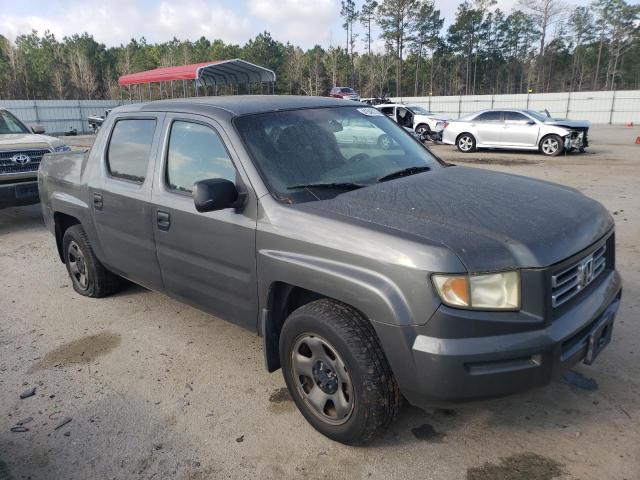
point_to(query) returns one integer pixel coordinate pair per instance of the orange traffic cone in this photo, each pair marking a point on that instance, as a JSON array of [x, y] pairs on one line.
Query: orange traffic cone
[[637, 140]]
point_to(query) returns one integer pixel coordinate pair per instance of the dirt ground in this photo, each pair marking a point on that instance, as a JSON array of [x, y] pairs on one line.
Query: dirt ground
[[157, 390]]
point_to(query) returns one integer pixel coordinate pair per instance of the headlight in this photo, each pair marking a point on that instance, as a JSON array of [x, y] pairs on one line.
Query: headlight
[[492, 291], [62, 148]]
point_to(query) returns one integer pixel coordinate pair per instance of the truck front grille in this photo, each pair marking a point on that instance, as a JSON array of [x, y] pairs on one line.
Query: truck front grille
[[570, 281], [20, 161]]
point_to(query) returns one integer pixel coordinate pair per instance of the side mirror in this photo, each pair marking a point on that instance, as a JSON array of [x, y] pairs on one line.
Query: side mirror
[[531, 122], [216, 194], [37, 129]]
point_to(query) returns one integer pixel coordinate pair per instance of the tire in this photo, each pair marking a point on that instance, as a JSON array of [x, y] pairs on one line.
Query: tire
[[551, 146], [423, 131], [466, 143], [346, 364], [89, 277]]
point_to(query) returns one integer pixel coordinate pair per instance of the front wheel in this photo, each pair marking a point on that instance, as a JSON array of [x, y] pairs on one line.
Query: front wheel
[[336, 372], [466, 143], [551, 145]]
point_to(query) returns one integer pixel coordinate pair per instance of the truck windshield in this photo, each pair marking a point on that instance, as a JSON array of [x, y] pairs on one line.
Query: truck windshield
[[322, 152], [10, 124]]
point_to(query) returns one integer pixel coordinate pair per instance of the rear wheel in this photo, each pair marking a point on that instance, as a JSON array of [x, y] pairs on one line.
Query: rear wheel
[[466, 143], [423, 131], [336, 372], [551, 145], [89, 277]]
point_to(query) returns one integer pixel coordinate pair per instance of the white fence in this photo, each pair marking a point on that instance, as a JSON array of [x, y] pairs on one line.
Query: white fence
[[58, 116], [617, 107], [620, 107]]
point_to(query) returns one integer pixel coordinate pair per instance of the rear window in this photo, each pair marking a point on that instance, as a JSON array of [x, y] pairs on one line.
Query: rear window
[[489, 117], [129, 149]]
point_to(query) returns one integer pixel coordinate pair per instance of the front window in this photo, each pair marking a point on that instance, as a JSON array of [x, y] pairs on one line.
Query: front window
[[196, 153], [538, 116], [297, 149], [10, 124]]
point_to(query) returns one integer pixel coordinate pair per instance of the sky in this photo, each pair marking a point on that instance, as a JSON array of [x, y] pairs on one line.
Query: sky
[[114, 22]]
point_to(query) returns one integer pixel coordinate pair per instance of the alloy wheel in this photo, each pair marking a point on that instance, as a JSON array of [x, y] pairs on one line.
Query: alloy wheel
[[550, 146], [465, 143], [78, 265]]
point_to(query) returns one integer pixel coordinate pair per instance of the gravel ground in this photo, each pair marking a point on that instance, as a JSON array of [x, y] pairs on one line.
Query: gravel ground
[[155, 389]]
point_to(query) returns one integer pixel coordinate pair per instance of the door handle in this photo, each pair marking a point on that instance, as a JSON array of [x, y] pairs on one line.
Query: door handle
[[164, 220], [97, 201]]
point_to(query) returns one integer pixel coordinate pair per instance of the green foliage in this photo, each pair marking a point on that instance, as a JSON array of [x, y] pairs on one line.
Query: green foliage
[[482, 51]]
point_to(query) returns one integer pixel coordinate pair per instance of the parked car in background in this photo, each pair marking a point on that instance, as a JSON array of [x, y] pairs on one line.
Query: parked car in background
[[516, 129], [21, 149], [96, 121], [427, 125], [346, 93], [372, 274]]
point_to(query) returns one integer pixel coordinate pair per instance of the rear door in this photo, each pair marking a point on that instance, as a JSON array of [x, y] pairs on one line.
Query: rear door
[[120, 195], [519, 130], [488, 127], [207, 259]]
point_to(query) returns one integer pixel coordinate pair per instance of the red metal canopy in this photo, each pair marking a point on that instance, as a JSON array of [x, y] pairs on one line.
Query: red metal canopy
[[223, 72]]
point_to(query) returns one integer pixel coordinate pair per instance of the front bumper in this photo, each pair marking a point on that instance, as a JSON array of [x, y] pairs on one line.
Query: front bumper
[[576, 140], [442, 371], [17, 194]]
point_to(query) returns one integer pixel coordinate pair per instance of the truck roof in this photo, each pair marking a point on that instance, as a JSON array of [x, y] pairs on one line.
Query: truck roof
[[238, 104]]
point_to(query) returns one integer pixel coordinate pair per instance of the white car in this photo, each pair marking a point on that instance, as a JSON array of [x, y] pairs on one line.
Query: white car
[[426, 124], [516, 129]]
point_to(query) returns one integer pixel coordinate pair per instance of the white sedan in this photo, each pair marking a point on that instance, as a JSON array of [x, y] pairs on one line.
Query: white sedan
[[516, 129], [427, 125]]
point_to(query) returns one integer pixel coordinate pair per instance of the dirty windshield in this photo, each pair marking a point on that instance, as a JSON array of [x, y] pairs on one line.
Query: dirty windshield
[[10, 124], [319, 153]]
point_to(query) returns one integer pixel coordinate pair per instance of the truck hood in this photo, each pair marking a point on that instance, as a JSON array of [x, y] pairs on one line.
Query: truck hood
[[24, 141], [491, 221]]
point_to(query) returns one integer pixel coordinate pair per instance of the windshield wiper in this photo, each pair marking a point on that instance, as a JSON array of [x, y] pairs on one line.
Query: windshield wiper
[[337, 185], [404, 172]]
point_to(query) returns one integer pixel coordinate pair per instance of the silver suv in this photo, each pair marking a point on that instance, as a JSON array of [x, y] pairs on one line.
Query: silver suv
[[21, 149]]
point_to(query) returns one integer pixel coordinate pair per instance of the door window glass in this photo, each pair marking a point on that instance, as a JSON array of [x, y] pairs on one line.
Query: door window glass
[[515, 117], [489, 117], [129, 149], [196, 153]]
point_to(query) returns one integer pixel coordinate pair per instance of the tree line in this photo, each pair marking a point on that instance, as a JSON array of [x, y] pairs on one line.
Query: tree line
[[400, 47]]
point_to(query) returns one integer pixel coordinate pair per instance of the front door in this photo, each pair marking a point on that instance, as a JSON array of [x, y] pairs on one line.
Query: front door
[[120, 195], [207, 259], [519, 130]]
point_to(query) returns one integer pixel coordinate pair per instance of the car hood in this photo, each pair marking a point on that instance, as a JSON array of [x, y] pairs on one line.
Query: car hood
[[560, 122], [23, 141], [437, 118], [491, 221]]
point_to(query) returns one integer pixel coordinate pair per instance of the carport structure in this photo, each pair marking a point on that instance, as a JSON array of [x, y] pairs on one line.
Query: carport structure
[[200, 79]]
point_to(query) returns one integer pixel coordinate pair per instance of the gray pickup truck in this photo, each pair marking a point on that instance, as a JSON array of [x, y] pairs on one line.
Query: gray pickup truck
[[373, 271]]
